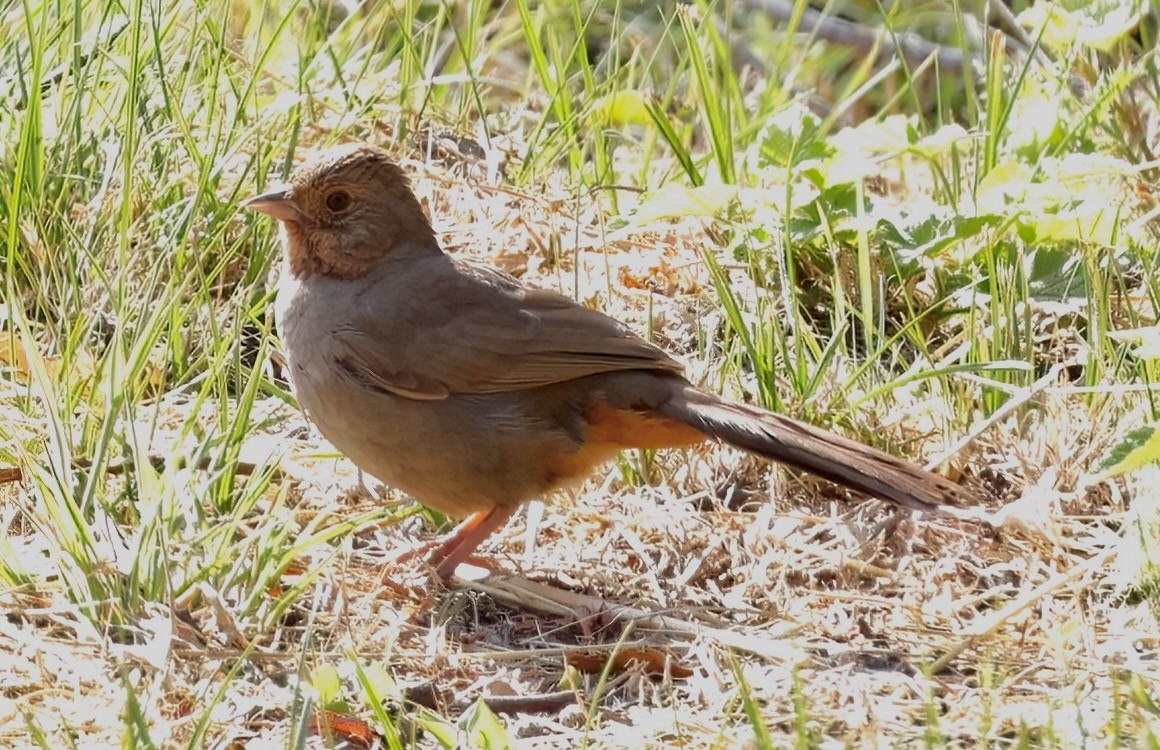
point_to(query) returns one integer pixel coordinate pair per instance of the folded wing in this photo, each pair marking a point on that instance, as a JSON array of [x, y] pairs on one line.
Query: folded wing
[[497, 336]]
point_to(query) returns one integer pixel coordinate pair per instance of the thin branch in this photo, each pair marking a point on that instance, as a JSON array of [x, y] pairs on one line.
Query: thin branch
[[913, 48], [537, 597]]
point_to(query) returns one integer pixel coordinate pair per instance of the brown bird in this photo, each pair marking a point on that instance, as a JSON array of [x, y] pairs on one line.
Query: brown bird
[[474, 393]]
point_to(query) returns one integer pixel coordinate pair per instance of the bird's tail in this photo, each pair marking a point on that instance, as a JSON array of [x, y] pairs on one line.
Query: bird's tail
[[838, 459]]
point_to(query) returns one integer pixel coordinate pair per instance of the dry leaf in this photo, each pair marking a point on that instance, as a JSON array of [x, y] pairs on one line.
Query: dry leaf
[[652, 659], [350, 728]]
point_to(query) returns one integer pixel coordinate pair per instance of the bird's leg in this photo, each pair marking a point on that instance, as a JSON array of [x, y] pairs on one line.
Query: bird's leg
[[372, 493], [457, 546]]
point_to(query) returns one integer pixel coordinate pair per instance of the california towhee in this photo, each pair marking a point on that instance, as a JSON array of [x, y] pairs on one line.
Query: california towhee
[[457, 384]]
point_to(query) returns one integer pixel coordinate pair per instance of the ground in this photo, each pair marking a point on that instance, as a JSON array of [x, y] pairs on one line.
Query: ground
[[184, 562]]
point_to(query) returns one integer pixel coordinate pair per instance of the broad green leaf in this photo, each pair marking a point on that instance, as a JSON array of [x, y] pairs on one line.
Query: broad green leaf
[[674, 201], [1138, 448], [380, 683], [438, 727], [1091, 221], [791, 138], [1036, 119], [484, 729], [1008, 182], [941, 141], [1058, 29], [326, 681], [889, 135], [1086, 171], [858, 152], [1146, 338], [912, 237], [378, 687], [625, 107], [1097, 25], [1056, 274]]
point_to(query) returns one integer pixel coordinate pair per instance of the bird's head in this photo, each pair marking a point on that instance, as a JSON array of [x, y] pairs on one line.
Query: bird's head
[[345, 210]]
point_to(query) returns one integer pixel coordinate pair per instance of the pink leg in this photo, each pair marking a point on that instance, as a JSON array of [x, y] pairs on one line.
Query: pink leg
[[457, 546]]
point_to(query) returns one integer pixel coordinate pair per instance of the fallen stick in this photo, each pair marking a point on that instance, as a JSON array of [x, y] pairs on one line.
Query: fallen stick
[[996, 619], [537, 597]]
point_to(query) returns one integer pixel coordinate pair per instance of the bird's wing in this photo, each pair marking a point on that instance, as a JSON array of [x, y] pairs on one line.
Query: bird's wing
[[487, 334]]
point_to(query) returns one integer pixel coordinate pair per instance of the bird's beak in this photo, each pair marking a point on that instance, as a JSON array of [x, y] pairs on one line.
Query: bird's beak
[[276, 203]]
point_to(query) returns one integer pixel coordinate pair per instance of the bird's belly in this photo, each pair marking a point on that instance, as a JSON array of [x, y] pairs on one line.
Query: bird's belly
[[459, 455]]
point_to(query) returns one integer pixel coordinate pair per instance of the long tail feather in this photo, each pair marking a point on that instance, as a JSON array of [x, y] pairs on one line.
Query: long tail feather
[[838, 459]]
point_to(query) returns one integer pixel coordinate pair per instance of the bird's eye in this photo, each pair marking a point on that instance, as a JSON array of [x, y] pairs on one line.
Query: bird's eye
[[338, 201]]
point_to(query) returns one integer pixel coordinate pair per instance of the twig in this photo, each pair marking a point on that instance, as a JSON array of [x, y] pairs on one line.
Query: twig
[[1017, 400], [742, 56], [519, 592], [548, 703], [864, 39], [998, 16], [992, 623], [840, 562]]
